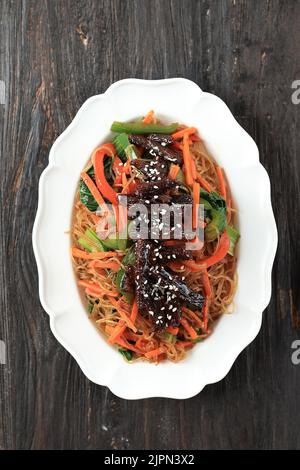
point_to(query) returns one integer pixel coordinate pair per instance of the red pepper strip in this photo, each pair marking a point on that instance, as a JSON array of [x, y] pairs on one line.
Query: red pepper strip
[[98, 163], [217, 256], [118, 169], [205, 315]]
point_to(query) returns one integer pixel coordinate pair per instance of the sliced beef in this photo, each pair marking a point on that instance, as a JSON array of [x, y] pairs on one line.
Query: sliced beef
[[155, 148], [153, 170], [164, 139]]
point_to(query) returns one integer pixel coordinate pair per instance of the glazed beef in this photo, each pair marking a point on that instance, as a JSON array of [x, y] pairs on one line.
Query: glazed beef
[[155, 148]]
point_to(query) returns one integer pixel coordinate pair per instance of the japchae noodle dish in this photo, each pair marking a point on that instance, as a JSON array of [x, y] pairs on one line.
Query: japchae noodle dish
[[153, 239]]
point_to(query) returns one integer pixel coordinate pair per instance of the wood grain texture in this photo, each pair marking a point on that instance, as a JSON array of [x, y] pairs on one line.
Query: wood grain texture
[[53, 56]]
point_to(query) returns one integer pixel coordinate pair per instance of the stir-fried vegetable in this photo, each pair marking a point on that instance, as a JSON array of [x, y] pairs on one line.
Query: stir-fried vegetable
[[139, 127], [86, 196], [126, 353], [234, 235]]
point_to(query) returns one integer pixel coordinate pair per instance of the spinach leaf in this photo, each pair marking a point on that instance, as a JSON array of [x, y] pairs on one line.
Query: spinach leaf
[[126, 353], [85, 195]]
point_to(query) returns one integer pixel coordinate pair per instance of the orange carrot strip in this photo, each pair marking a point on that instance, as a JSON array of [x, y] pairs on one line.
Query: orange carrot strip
[[205, 185], [173, 330], [94, 190], [117, 332], [206, 283], [174, 170], [221, 181], [105, 264], [77, 253], [193, 168], [124, 315], [148, 118], [187, 131], [185, 344], [196, 200], [187, 161], [134, 312], [205, 314], [188, 328], [98, 289], [154, 352]]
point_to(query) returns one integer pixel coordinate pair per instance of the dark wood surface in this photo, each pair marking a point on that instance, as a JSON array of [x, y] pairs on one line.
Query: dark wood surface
[[54, 55]]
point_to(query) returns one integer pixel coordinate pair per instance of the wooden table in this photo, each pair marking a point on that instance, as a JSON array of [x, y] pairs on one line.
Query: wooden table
[[54, 55]]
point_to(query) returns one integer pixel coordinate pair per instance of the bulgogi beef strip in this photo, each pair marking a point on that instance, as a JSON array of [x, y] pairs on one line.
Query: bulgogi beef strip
[[153, 170], [160, 293], [155, 148], [164, 139]]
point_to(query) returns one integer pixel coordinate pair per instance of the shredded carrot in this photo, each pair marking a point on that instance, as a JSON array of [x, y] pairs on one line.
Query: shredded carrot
[[187, 161], [188, 328], [196, 200], [193, 168], [205, 314], [205, 185], [187, 131], [118, 331], [206, 283], [154, 352], [123, 314], [105, 264], [95, 288], [148, 118], [134, 312], [174, 170], [185, 344], [94, 190], [221, 181], [193, 316], [94, 255], [173, 330]]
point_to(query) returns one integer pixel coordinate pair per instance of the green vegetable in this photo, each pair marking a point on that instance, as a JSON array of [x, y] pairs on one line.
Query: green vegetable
[[121, 142], [170, 338], [85, 195], [234, 235], [215, 207], [90, 241], [126, 353], [119, 280], [129, 258], [131, 152], [139, 127], [197, 340], [90, 306], [82, 241]]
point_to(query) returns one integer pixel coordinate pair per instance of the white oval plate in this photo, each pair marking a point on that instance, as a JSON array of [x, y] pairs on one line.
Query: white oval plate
[[179, 100]]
